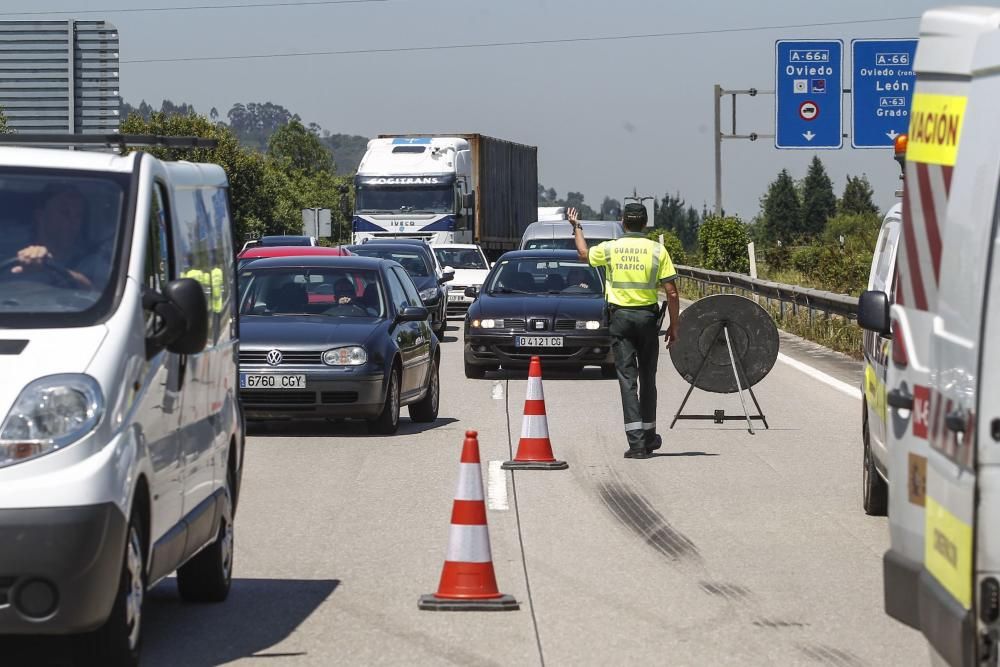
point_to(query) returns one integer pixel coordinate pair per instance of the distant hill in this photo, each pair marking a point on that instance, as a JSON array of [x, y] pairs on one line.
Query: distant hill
[[347, 149], [255, 122]]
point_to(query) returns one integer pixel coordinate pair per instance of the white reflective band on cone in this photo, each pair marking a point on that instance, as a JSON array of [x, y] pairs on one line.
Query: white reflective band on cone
[[535, 389], [470, 482], [648, 425], [469, 544], [633, 426], [534, 426]]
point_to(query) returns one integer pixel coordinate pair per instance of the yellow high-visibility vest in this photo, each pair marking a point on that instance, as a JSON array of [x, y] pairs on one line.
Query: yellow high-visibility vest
[[634, 267], [217, 283]]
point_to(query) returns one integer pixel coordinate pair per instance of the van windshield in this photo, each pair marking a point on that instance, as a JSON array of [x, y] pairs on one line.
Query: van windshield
[[58, 233], [558, 244]]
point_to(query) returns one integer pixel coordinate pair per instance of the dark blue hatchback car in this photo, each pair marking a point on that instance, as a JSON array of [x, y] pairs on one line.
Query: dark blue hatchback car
[[334, 337]]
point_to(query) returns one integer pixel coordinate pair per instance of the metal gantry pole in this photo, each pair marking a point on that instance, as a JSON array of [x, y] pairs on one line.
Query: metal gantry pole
[[717, 94], [718, 149]]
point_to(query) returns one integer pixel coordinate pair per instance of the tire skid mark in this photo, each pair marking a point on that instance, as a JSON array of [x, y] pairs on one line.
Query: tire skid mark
[[636, 513], [731, 592], [828, 655], [778, 623]]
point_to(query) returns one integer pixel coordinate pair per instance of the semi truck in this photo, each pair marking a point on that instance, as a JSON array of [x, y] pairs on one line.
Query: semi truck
[[446, 188]]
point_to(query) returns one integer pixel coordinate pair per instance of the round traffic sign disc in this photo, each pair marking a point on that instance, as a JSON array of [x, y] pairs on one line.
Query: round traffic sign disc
[[808, 110]]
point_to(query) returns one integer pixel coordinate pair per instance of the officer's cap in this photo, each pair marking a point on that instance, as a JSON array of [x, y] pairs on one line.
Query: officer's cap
[[634, 213]]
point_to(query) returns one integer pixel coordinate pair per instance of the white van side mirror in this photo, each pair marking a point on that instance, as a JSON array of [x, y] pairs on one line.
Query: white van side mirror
[[182, 310], [873, 312]]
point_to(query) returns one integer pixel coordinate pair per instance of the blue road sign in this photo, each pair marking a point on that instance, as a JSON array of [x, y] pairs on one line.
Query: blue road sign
[[881, 89], [808, 86]]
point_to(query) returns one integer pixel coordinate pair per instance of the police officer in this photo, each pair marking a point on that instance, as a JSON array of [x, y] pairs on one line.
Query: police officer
[[635, 267]]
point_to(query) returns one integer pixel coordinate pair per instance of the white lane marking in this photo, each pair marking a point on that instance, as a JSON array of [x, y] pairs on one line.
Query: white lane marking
[[815, 374], [497, 390], [496, 495]]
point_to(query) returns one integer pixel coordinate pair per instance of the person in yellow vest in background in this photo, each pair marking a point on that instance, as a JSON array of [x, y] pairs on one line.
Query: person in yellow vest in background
[[635, 267], [203, 277], [217, 278]]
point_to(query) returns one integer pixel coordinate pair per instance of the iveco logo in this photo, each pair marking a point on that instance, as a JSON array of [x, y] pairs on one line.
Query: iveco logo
[[274, 357], [401, 180]]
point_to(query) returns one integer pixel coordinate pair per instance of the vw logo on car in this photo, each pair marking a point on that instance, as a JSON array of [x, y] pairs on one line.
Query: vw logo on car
[[274, 357]]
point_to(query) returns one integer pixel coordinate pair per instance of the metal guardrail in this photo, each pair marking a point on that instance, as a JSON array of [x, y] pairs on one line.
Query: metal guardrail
[[828, 303]]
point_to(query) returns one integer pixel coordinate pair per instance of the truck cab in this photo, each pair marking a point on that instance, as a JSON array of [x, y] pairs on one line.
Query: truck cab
[[415, 187]]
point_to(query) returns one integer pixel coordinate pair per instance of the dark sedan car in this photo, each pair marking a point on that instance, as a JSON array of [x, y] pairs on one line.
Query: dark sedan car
[[417, 259], [335, 337], [538, 302]]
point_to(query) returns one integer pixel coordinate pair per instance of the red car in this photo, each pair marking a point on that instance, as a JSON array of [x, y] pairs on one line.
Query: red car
[[322, 293]]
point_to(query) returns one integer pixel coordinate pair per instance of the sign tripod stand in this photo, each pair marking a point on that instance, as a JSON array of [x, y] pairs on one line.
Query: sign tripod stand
[[727, 344], [739, 375]]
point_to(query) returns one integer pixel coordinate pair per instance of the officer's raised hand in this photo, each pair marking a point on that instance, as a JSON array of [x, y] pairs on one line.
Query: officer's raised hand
[[573, 216]]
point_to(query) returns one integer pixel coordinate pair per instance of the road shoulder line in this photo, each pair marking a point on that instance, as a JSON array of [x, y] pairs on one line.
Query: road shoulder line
[[819, 375]]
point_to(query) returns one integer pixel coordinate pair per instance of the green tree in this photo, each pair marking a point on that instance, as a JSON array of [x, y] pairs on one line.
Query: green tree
[[347, 150], [255, 122], [723, 243], [300, 149], [611, 209], [781, 214], [857, 197], [254, 188], [671, 243], [4, 128], [819, 203]]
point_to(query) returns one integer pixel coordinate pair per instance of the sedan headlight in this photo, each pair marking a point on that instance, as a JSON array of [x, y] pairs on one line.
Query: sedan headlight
[[49, 414], [592, 325], [353, 355], [487, 324], [428, 295]]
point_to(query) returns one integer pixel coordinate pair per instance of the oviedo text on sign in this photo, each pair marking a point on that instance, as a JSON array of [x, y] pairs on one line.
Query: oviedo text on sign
[[808, 89]]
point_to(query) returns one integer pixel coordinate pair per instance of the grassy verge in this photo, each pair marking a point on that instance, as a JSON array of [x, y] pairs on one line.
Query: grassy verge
[[835, 332]]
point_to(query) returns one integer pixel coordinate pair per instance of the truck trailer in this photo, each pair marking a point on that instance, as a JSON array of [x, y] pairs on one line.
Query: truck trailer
[[446, 188]]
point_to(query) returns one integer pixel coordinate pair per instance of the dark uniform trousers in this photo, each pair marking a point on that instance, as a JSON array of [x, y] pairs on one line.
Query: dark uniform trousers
[[635, 344]]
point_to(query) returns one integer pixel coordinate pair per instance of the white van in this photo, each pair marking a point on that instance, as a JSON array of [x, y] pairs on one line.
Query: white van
[[942, 573], [558, 234], [121, 436], [875, 348]]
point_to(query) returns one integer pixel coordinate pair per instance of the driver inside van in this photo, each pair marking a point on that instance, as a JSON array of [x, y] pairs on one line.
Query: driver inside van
[[60, 244]]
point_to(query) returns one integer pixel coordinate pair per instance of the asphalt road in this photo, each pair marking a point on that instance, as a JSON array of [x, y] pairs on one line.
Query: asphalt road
[[726, 548]]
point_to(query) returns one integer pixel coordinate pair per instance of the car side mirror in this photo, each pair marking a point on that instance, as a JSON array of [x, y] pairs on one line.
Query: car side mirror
[[447, 275], [182, 310], [469, 200], [413, 314], [873, 312], [472, 292]]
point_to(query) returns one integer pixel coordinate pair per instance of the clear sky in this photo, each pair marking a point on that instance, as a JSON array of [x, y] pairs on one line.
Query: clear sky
[[605, 115]]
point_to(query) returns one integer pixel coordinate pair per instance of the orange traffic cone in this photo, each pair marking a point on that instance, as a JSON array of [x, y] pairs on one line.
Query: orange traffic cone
[[468, 582], [534, 450]]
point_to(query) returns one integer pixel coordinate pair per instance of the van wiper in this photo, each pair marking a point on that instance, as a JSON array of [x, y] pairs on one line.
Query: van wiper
[[509, 290]]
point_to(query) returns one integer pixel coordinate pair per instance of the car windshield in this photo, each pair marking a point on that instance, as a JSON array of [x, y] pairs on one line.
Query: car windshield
[[414, 262], [545, 276], [461, 258], [558, 244], [58, 233], [320, 291], [387, 199]]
